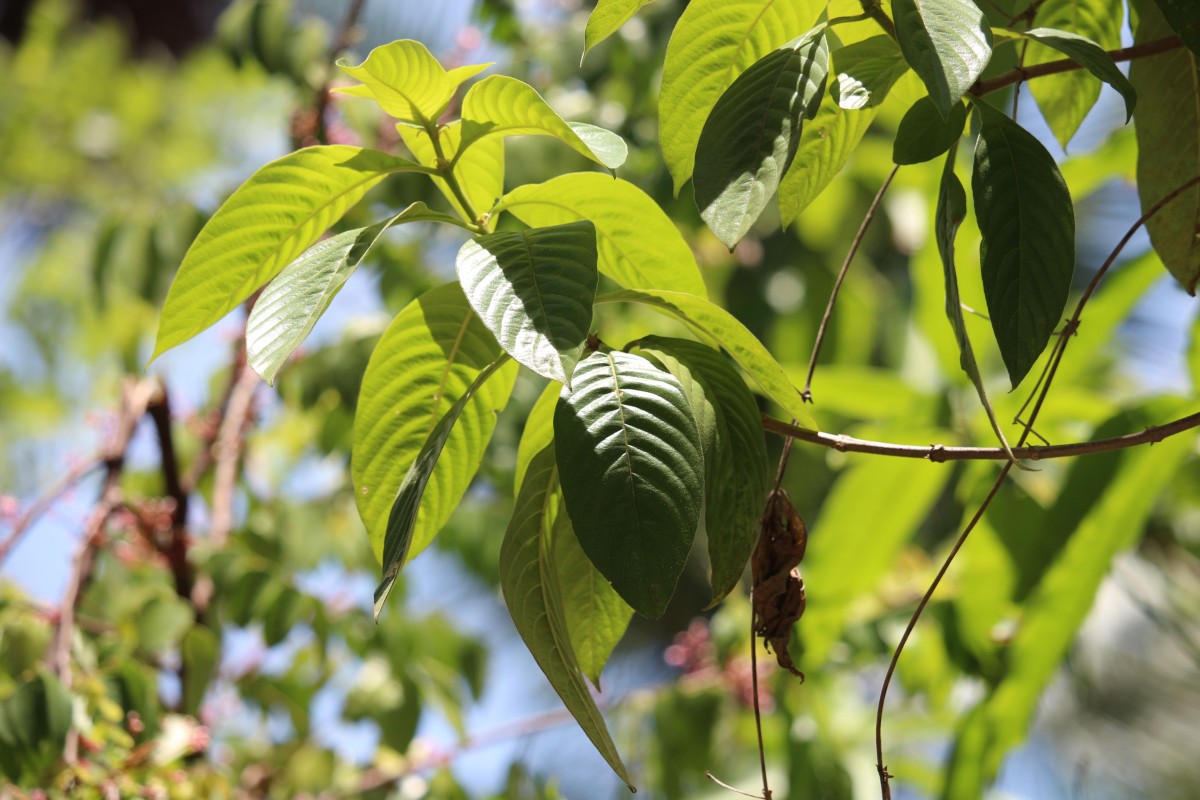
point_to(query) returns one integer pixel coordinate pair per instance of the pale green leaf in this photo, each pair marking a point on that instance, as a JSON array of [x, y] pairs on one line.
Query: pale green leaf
[[714, 42], [632, 474], [533, 595], [291, 304], [534, 290], [1168, 137], [538, 432], [1027, 252], [434, 349], [866, 71], [750, 137], [480, 170], [639, 245], [407, 82], [947, 42], [723, 329], [606, 18], [737, 474], [504, 106], [272, 218], [925, 133]]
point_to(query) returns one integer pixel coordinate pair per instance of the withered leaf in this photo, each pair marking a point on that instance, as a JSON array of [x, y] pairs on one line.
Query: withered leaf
[[777, 593]]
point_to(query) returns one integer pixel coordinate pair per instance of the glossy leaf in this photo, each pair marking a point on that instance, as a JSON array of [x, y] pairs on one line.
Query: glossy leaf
[[480, 170], [737, 474], [924, 133], [407, 82], [398, 538], [533, 595], [714, 42], [534, 290], [866, 71], [752, 134], [291, 304], [1168, 138], [1065, 105], [606, 18], [429, 355], [1027, 253], [1183, 17], [271, 218], [951, 210], [638, 245], [723, 329], [946, 42], [504, 106], [632, 474]]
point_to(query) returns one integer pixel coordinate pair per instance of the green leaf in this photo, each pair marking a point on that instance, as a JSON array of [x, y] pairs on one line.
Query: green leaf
[[1183, 16], [947, 42], [595, 614], [407, 81], [503, 106], [632, 474], [924, 133], [200, 651], [951, 210], [606, 18], [752, 134], [291, 304], [480, 170], [272, 218], [423, 364], [1113, 520], [723, 329], [1168, 137], [737, 474], [1065, 102], [534, 291], [34, 721], [398, 538], [826, 143], [639, 245], [866, 71], [713, 42], [1027, 253], [538, 432], [532, 593]]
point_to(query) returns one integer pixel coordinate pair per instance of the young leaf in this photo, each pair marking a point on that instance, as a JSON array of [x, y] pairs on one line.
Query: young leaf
[[723, 329], [480, 170], [271, 218], [398, 538], [638, 245], [1027, 252], [736, 472], [606, 18], [632, 474], [534, 291], [866, 71], [1091, 57], [752, 133], [533, 596], [407, 82], [713, 42], [290, 306], [947, 42], [503, 106], [925, 133], [951, 210], [434, 349], [1168, 138], [1183, 17]]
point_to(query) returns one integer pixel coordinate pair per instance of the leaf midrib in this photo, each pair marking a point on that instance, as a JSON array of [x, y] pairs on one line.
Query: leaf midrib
[[612, 368]]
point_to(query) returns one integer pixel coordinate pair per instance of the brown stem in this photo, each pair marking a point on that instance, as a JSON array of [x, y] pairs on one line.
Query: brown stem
[[176, 548], [762, 753], [1018, 74]]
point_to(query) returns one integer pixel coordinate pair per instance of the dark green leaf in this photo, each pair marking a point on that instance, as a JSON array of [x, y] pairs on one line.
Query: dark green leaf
[[752, 134], [1091, 57], [1027, 253], [1184, 18], [632, 474], [200, 652], [946, 42], [925, 133], [534, 291]]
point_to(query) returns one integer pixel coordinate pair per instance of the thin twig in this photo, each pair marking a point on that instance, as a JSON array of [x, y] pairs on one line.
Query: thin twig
[[228, 453], [806, 392], [342, 39], [762, 753], [1018, 74], [43, 503]]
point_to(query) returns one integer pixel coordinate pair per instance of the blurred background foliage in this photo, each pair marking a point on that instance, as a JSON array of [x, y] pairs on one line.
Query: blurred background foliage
[[122, 125]]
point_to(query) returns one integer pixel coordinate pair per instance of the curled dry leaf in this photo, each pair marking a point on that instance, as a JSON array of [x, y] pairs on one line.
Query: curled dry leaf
[[778, 590]]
